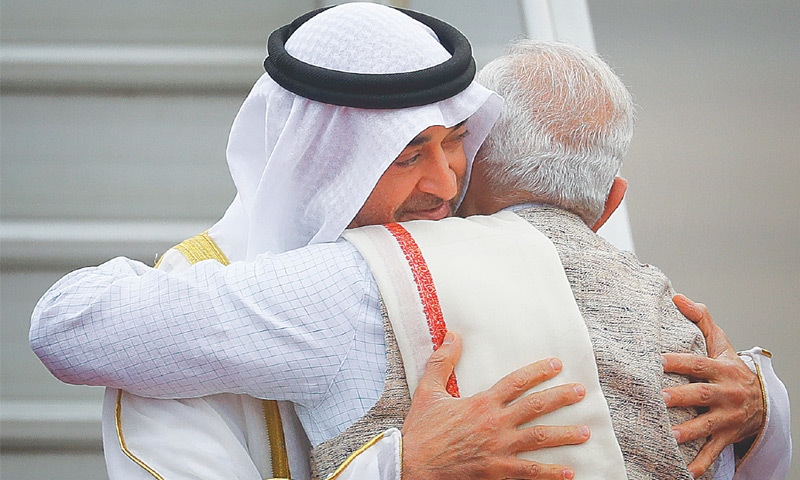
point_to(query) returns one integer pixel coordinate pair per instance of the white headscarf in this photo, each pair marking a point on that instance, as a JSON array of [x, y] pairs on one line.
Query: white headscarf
[[302, 168]]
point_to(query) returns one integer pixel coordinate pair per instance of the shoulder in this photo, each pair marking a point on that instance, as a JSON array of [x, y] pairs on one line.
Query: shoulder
[[173, 261]]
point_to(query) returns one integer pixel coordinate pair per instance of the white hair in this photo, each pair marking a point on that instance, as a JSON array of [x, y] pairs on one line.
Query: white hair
[[566, 124]]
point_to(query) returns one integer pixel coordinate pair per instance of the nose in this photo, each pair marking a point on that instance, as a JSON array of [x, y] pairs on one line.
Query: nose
[[439, 177]]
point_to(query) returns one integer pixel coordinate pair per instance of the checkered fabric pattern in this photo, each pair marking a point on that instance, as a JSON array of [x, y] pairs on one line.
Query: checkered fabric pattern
[[304, 327]]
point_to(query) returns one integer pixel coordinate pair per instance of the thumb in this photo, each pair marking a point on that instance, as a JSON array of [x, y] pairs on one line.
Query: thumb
[[689, 309], [440, 366], [716, 340]]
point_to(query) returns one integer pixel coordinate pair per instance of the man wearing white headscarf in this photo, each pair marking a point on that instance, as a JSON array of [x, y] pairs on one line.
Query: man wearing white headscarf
[[366, 115]]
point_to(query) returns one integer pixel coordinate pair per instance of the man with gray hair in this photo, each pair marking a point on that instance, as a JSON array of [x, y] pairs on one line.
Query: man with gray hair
[[572, 121], [552, 158]]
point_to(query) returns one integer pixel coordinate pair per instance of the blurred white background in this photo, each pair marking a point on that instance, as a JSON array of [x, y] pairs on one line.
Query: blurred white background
[[114, 117]]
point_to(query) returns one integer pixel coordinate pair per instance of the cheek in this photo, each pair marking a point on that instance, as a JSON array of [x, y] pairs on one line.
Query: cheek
[[374, 210], [459, 165], [370, 214], [384, 201], [397, 188]]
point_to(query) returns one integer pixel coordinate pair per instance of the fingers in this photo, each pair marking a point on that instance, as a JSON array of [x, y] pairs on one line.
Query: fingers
[[513, 385], [524, 469], [734, 397], [537, 404], [439, 367], [546, 436], [706, 457], [692, 365], [702, 426], [692, 395]]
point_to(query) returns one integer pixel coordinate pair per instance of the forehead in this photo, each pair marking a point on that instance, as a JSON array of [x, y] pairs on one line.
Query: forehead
[[433, 132]]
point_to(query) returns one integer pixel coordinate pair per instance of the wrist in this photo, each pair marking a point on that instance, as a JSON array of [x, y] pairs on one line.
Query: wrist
[[742, 447]]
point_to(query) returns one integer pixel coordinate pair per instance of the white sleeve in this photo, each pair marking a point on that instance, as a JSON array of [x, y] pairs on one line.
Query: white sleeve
[[771, 454], [379, 459], [279, 327]]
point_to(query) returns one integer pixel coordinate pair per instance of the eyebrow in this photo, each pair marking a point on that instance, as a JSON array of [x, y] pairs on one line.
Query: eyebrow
[[420, 139]]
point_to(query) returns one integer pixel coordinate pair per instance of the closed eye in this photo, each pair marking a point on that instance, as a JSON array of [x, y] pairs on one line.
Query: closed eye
[[407, 162], [456, 139]]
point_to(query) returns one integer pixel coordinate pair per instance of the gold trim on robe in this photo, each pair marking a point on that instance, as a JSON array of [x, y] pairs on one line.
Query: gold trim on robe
[[196, 249]]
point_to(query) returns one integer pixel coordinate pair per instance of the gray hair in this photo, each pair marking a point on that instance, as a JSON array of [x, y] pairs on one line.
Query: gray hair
[[566, 124]]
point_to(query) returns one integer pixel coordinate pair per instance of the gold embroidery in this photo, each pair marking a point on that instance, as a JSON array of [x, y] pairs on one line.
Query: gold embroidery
[[201, 247], [196, 249], [401, 456], [121, 438], [277, 442], [353, 456]]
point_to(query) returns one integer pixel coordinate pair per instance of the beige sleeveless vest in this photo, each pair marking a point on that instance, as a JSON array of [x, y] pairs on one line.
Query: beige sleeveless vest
[[628, 309], [432, 273], [639, 417]]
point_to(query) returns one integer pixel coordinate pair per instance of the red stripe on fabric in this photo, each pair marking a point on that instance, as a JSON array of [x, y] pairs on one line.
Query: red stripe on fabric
[[427, 292]]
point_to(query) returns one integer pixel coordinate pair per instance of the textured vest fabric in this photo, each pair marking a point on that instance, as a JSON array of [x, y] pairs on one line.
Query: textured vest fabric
[[389, 411], [499, 283], [510, 309], [628, 309], [631, 321]]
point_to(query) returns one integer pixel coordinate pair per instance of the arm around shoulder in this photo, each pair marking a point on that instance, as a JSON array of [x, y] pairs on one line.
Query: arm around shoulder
[[208, 329]]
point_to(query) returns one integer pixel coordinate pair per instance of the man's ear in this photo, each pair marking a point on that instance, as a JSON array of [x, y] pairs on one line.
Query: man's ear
[[615, 196]]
